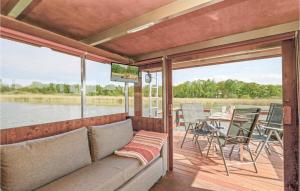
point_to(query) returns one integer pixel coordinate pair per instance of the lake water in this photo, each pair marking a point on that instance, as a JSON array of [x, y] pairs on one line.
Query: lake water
[[15, 114]]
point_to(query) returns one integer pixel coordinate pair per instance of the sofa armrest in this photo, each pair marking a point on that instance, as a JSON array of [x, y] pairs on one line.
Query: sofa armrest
[[164, 155]]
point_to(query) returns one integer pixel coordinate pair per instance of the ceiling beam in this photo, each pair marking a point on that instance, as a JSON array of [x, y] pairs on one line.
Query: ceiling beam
[[235, 38], [169, 11], [20, 6], [223, 59], [20, 31], [229, 58]]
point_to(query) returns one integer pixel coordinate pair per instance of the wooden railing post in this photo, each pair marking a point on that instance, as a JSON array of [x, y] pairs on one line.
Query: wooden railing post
[[290, 69]]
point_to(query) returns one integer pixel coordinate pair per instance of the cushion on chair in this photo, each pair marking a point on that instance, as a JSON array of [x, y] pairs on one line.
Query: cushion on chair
[[31, 164], [105, 139], [103, 175]]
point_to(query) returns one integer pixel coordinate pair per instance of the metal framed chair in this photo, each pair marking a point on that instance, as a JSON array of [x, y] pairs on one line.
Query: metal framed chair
[[259, 127], [259, 124], [273, 131], [239, 132], [195, 122]]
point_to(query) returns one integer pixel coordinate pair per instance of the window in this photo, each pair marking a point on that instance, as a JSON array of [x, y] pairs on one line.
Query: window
[[38, 85], [152, 105], [103, 96]]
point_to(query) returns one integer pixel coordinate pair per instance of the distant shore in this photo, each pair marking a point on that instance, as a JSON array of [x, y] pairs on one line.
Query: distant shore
[[119, 100]]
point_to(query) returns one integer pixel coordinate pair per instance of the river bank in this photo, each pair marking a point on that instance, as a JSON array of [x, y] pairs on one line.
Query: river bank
[[119, 100]]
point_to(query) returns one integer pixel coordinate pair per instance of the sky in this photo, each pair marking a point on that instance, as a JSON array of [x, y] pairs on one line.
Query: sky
[[22, 64]]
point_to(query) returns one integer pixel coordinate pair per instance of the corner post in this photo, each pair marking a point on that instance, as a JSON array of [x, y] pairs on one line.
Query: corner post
[[126, 97], [168, 105], [290, 69]]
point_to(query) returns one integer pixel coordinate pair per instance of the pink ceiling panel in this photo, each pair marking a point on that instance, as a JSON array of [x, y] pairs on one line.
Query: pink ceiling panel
[[81, 18], [228, 17]]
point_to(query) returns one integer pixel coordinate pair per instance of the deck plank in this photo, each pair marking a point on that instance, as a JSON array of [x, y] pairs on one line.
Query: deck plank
[[195, 172]]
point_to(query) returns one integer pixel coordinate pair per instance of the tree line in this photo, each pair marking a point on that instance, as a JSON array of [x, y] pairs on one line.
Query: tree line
[[193, 89], [226, 89]]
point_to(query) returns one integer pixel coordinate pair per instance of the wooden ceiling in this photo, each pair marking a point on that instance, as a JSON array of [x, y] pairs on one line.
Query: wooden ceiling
[[225, 18], [82, 19]]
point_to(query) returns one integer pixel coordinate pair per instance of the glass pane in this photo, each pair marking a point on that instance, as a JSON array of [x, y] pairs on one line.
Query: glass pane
[[38, 85], [103, 95], [152, 94]]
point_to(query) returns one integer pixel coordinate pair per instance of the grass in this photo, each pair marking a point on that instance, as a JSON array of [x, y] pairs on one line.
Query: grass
[[61, 99], [119, 100]]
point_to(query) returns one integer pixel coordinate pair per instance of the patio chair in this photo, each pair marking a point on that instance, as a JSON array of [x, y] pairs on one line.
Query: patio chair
[[272, 130], [195, 122], [239, 132], [264, 122], [260, 130]]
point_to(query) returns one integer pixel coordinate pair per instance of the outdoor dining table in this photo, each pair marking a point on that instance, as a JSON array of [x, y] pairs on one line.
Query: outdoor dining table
[[216, 120]]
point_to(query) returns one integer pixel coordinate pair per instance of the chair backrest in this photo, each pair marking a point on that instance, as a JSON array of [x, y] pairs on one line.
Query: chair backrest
[[270, 111], [241, 126], [192, 112], [276, 116]]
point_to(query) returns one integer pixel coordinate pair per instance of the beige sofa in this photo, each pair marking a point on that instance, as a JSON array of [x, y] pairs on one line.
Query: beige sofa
[[79, 160]]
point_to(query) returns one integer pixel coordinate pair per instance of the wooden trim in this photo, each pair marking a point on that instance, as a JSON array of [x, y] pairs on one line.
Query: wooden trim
[[291, 115], [148, 124], [298, 80], [226, 58], [19, 134], [169, 83], [138, 96], [260, 50], [167, 12], [231, 39], [154, 67], [23, 32], [19, 8], [5, 9]]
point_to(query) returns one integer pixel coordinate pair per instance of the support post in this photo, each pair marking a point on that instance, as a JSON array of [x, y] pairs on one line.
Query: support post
[[126, 97], [83, 85], [290, 69], [168, 105], [138, 99]]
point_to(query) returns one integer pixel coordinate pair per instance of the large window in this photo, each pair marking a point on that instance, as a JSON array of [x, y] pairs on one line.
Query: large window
[[103, 96], [39, 85]]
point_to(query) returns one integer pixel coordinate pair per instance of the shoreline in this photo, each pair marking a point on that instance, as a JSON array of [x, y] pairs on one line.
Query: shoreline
[[119, 100]]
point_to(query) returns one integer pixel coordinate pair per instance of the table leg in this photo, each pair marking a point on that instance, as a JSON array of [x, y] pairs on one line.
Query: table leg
[[241, 152], [186, 132], [213, 144]]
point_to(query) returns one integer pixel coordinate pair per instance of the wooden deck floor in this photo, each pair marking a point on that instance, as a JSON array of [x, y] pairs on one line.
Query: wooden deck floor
[[194, 172]]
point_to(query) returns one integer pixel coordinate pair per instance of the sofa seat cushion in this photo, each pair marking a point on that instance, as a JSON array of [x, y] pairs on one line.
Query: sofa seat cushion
[[31, 164], [103, 175], [105, 139]]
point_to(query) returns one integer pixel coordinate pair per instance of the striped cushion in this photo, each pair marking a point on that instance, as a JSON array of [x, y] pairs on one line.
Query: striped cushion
[[145, 146]]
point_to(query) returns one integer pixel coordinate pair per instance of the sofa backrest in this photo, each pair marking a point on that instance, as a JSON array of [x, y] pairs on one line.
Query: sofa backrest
[[31, 164], [105, 139]]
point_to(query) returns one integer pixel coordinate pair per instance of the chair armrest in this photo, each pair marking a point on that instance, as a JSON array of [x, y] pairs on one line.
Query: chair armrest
[[272, 128], [260, 122]]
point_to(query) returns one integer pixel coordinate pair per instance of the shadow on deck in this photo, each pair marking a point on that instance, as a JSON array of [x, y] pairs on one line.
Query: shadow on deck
[[195, 172]]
